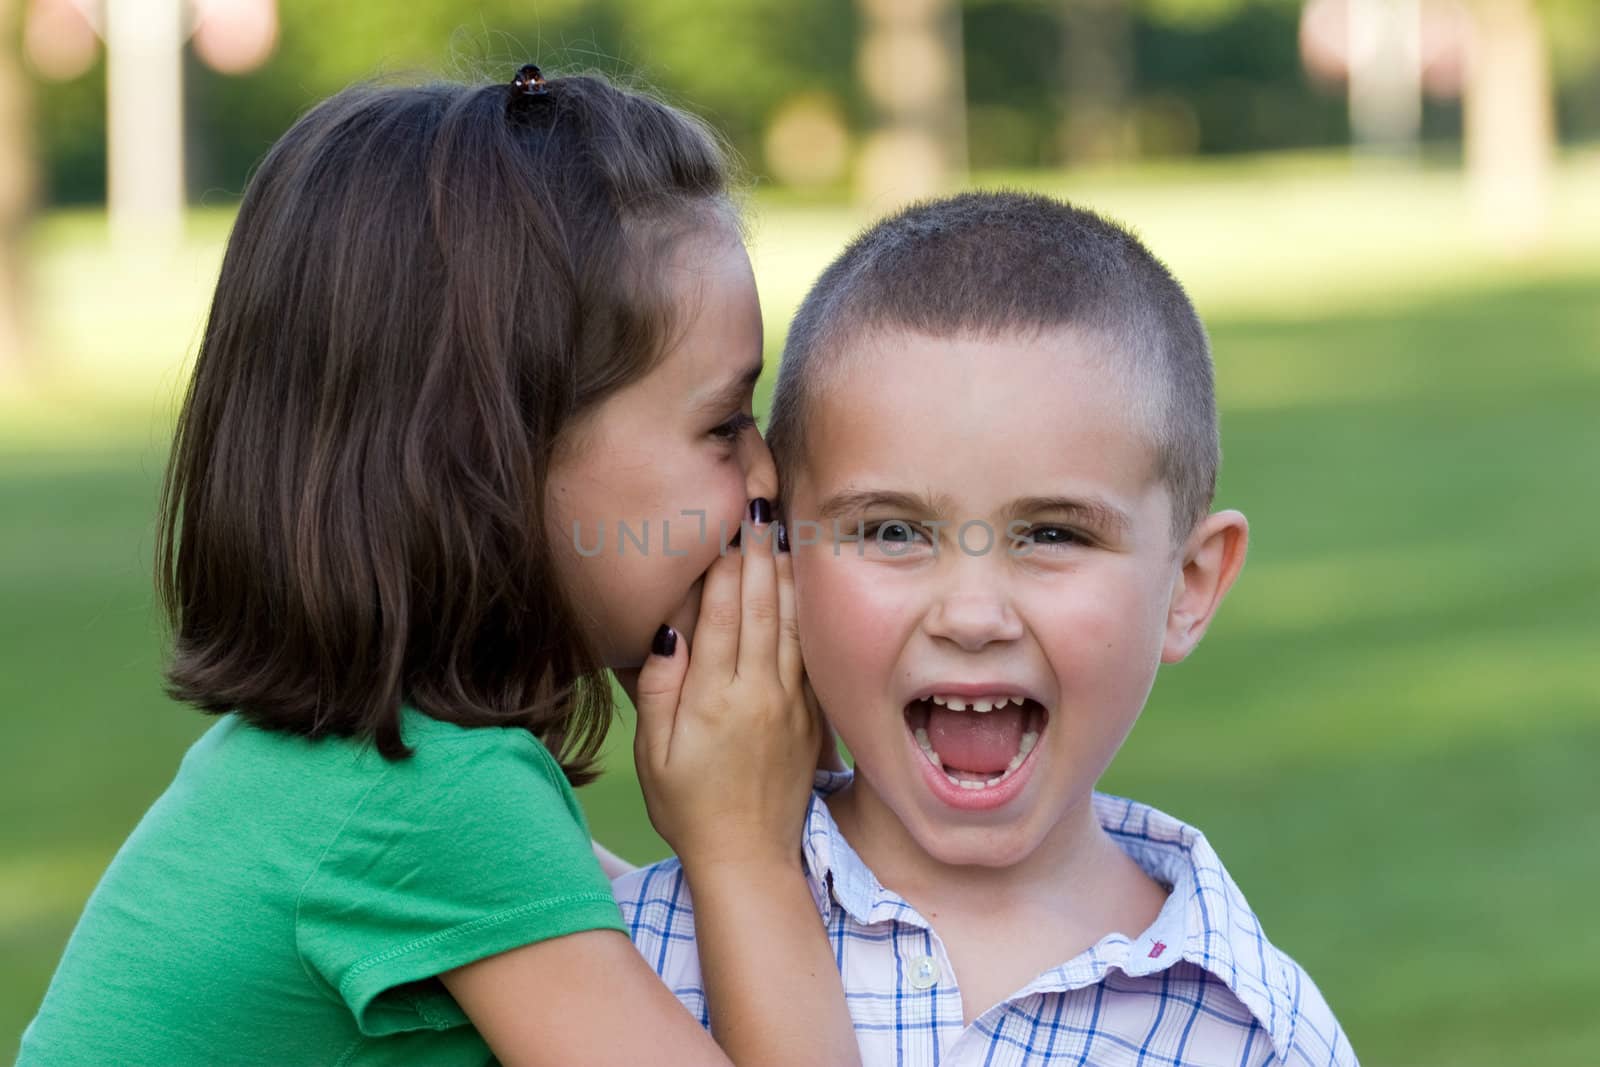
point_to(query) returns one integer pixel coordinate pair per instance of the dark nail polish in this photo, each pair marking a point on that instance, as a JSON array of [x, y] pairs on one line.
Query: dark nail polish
[[760, 511], [666, 642], [783, 538]]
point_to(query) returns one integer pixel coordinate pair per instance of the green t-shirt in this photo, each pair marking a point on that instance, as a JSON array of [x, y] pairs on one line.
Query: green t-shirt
[[289, 902]]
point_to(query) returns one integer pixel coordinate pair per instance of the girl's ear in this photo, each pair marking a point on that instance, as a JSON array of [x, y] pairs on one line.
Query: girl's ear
[[1212, 558]]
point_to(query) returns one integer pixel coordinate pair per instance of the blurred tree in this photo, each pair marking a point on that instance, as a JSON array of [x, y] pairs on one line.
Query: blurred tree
[[1196, 12], [1389, 56], [1093, 66], [1016, 89], [1097, 52], [1509, 98], [1075, 80], [144, 115], [736, 62], [911, 65], [1509, 118], [16, 191], [144, 46], [323, 47], [740, 62], [790, 79], [1381, 43], [1385, 75], [1225, 76]]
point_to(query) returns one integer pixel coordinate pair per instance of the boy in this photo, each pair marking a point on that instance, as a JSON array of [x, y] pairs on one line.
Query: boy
[[996, 429]]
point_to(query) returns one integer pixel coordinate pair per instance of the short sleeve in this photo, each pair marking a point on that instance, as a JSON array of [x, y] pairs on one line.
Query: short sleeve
[[473, 846]]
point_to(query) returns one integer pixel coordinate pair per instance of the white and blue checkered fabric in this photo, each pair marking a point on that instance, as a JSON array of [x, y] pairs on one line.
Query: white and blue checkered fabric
[[1201, 986]]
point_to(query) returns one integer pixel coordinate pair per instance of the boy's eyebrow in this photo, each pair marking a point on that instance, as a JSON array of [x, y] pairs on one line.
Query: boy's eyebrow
[[1091, 511], [849, 501], [731, 392]]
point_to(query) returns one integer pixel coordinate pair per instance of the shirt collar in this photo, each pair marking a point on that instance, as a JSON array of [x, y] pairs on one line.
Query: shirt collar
[[1205, 921]]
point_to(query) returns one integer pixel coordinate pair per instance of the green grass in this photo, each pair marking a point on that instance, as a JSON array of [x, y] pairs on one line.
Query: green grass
[[1388, 733]]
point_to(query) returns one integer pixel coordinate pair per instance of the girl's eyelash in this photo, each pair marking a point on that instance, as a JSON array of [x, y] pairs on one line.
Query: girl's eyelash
[[731, 429]]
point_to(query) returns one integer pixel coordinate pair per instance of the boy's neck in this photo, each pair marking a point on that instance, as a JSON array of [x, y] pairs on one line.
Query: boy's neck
[[1001, 927]]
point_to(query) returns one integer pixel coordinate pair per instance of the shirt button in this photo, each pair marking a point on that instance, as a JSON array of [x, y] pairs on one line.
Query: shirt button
[[924, 972]]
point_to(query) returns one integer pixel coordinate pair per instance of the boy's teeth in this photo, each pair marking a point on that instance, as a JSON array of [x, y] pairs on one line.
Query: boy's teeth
[[1029, 739], [980, 706]]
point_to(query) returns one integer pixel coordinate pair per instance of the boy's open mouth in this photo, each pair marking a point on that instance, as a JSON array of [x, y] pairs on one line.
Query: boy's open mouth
[[976, 742]]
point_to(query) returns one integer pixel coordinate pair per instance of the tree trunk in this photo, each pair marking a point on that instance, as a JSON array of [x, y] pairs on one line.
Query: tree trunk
[[144, 123], [16, 196], [1097, 52], [1386, 76], [1509, 120], [910, 64]]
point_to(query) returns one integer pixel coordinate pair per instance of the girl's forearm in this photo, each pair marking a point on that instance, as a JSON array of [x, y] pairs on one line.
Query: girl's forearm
[[774, 989]]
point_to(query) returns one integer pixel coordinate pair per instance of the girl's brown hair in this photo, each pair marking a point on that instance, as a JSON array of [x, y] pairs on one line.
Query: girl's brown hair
[[424, 287]]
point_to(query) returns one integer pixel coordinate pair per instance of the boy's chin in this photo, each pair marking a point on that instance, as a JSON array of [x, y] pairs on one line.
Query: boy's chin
[[972, 846], [997, 838]]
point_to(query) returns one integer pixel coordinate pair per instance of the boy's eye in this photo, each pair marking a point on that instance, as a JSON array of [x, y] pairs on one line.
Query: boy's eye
[[734, 427], [895, 532], [1049, 536]]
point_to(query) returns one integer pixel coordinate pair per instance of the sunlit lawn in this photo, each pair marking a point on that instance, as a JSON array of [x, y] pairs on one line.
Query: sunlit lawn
[[1389, 734]]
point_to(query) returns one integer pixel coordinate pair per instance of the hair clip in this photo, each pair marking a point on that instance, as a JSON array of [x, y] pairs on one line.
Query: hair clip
[[529, 81]]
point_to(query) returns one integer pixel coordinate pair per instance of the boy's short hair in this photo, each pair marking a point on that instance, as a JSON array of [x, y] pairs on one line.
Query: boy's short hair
[[995, 263]]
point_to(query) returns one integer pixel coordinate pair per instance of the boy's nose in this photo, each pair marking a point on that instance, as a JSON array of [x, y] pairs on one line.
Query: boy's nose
[[972, 620]]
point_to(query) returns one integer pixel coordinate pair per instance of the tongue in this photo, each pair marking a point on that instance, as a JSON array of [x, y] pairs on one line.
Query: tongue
[[980, 743]]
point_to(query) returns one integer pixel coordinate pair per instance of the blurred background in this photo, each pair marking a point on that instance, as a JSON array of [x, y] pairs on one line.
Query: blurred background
[[1388, 212]]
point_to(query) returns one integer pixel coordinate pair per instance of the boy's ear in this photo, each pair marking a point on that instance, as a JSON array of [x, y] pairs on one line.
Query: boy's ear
[[1211, 557]]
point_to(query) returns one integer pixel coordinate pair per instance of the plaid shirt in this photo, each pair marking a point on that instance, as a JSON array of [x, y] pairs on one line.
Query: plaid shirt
[[1201, 986]]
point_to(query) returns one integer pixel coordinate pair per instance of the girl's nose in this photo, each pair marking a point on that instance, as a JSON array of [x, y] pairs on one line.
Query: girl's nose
[[760, 473]]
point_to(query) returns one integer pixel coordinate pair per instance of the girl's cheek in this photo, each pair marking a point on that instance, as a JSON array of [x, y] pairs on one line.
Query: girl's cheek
[[707, 513]]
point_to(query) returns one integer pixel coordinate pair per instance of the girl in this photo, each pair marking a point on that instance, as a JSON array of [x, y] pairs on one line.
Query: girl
[[456, 331]]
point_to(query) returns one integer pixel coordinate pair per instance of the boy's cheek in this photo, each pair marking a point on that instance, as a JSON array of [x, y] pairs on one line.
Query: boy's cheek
[[835, 587], [1094, 611], [851, 628]]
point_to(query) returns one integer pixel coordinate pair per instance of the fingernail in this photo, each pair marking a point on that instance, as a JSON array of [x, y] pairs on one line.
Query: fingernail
[[666, 642], [783, 538], [760, 511]]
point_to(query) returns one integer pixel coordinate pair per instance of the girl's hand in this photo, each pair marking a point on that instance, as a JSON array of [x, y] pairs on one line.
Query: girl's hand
[[726, 748], [726, 742]]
